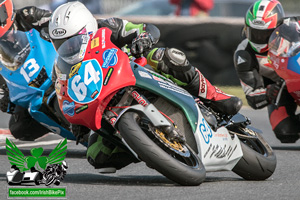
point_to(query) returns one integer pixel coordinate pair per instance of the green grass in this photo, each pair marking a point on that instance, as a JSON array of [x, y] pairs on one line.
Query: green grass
[[236, 91]]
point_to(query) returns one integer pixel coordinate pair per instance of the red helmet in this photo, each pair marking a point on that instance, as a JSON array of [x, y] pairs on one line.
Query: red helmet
[[7, 16]]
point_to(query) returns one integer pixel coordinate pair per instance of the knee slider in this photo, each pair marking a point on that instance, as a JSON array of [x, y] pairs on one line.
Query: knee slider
[[177, 59]]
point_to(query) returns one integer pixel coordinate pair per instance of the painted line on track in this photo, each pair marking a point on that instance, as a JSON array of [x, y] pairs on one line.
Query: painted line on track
[[36, 143]]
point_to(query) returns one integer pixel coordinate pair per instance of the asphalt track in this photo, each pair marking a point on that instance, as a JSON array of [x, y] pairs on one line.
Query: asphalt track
[[136, 181]]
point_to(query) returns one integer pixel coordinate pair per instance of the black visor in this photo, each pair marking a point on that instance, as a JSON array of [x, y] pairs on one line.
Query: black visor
[[258, 36]]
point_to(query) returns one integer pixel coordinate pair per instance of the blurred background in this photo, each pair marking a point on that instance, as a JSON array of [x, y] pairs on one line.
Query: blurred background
[[209, 38]]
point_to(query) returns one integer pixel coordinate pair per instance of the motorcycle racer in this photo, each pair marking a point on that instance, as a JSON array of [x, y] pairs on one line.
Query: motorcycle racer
[[259, 81], [67, 22], [21, 125]]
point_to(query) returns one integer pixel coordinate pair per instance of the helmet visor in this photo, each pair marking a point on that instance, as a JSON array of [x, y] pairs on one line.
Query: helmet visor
[[72, 50], [258, 36], [14, 49]]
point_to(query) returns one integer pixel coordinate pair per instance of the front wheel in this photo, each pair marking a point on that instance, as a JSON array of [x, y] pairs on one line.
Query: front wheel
[[176, 161], [258, 161]]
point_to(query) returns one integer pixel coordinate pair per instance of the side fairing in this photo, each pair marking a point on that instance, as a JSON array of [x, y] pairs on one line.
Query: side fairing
[[42, 55], [158, 84], [218, 149]]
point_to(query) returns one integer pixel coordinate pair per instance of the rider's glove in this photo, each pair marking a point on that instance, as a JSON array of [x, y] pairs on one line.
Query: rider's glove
[[141, 43], [5, 104], [272, 92]]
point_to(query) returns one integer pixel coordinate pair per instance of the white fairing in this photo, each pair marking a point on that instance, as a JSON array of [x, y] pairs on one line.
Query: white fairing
[[10, 176], [218, 151], [29, 176], [70, 18]]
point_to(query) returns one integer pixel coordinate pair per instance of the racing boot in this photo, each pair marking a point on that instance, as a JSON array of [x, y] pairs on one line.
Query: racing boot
[[173, 64]]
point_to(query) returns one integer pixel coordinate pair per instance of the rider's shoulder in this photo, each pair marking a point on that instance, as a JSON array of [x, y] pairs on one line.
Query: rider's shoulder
[[243, 50], [112, 22], [243, 46]]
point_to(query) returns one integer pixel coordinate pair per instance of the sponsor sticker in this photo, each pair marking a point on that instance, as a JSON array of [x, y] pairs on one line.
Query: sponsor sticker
[[110, 58], [108, 75], [74, 69], [68, 108], [139, 98], [145, 74], [205, 131], [62, 77], [57, 87], [82, 108], [103, 39], [95, 42], [94, 94]]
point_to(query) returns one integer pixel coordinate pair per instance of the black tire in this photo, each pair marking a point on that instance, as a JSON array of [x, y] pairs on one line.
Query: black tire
[[156, 157], [50, 179], [258, 161]]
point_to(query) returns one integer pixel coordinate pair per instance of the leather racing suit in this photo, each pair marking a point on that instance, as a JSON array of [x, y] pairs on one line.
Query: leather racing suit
[[255, 75]]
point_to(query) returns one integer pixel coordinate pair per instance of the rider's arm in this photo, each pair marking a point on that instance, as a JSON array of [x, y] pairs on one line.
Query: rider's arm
[[251, 81], [124, 32], [32, 17]]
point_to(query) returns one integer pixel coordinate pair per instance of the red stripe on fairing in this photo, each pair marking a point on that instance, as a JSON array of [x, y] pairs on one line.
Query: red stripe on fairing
[[5, 132], [277, 116]]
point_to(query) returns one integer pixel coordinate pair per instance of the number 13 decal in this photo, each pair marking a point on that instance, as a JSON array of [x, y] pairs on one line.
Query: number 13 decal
[[29, 69], [82, 86]]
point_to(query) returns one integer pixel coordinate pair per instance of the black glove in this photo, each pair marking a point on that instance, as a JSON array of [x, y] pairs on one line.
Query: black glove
[[141, 43], [5, 104], [272, 92]]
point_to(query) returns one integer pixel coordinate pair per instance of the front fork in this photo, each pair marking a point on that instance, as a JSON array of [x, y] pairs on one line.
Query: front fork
[[112, 114]]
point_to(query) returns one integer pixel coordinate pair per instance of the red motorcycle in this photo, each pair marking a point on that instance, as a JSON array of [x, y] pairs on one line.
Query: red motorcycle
[[159, 122], [284, 57]]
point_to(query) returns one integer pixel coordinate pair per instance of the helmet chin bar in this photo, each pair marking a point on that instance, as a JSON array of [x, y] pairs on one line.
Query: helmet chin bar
[[259, 48]]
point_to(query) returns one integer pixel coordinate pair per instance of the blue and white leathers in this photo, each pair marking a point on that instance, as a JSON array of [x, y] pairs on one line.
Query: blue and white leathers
[[21, 83]]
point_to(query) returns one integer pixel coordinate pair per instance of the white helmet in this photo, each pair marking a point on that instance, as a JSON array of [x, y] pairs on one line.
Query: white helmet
[[70, 18], [68, 21]]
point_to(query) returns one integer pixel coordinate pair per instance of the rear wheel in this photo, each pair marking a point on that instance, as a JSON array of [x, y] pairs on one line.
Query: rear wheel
[[174, 160], [258, 161]]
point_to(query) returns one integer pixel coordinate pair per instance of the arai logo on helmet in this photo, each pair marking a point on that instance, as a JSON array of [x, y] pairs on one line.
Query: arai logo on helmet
[[59, 32]]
